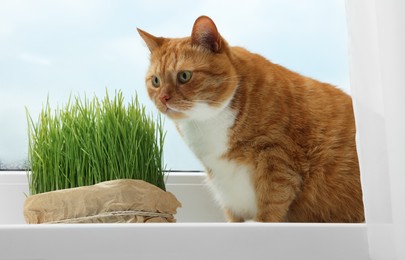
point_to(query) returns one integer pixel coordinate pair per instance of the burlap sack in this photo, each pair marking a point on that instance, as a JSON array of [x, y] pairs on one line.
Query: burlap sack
[[117, 201]]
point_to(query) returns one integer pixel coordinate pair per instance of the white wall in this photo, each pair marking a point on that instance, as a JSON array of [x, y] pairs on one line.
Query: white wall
[[377, 60]]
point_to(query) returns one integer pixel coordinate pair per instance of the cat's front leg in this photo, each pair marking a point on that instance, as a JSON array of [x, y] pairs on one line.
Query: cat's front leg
[[276, 188], [232, 217]]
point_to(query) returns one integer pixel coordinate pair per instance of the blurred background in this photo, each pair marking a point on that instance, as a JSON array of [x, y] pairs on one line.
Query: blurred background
[[59, 48]]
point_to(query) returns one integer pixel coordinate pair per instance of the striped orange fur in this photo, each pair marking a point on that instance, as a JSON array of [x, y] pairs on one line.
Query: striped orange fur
[[277, 146]]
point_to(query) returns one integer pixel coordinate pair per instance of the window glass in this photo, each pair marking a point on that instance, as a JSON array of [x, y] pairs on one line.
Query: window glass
[[55, 48]]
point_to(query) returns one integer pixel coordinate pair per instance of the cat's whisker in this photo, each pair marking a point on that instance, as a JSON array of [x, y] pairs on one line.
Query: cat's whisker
[[201, 101]]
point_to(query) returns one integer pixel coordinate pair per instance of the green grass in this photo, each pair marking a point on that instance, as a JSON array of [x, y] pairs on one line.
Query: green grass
[[90, 141]]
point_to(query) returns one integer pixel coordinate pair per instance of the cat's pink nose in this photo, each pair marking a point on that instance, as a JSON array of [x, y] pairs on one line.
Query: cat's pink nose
[[164, 98]]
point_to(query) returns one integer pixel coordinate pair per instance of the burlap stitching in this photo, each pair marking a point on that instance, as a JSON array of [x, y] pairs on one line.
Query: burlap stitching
[[129, 213]]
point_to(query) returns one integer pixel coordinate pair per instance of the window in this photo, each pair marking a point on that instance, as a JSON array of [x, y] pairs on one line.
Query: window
[[72, 46], [82, 47]]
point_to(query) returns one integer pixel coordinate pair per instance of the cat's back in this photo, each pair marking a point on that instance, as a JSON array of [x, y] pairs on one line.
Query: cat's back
[[306, 124], [270, 94], [288, 108]]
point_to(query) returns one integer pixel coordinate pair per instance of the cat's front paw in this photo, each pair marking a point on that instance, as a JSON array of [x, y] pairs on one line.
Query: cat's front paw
[[231, 217]]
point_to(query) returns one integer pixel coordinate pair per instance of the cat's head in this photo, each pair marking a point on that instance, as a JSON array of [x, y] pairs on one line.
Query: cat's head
[[193, 77]]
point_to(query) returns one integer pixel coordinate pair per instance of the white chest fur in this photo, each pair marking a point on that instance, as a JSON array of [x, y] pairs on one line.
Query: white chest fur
[[230, 182]]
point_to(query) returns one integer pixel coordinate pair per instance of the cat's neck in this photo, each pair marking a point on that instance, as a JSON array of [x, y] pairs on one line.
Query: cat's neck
[[208, 139]]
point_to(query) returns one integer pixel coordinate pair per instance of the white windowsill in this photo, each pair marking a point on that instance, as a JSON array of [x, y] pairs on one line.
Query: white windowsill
[[204, 238]]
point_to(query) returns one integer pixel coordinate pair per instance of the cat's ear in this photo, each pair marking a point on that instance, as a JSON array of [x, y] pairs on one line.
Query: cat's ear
[[205, 33], [151, 41]]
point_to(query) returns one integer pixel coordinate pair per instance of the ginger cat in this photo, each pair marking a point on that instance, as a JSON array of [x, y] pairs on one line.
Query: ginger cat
[[277, 146]]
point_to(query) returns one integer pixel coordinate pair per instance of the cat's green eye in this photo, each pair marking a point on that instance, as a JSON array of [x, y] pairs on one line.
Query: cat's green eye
[[184, 76], [155, 81]]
